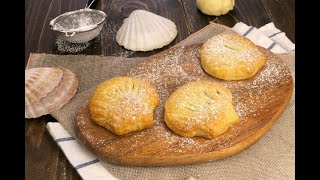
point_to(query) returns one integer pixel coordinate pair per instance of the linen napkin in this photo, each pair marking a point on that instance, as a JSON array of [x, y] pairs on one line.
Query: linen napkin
[[87, 164], [267, 36]]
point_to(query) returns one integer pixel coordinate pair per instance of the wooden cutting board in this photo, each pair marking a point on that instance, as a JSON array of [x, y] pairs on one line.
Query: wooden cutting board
[[259, 102]]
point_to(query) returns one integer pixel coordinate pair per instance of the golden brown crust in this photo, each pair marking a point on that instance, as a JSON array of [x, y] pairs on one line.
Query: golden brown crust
[[124, 104], [229, 56], [200, 108]]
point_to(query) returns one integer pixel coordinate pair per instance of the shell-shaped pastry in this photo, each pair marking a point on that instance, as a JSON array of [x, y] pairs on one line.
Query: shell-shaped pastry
[[145, 31], [48, 89]]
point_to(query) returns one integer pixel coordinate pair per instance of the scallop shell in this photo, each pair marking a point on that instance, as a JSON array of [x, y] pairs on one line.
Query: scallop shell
[[145, 31], [48, 89]]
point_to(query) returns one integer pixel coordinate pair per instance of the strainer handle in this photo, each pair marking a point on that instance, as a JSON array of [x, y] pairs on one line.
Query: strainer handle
[[70, 35], [89, 3]]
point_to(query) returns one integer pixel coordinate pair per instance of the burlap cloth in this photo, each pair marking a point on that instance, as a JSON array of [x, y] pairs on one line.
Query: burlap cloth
[[272, 157]]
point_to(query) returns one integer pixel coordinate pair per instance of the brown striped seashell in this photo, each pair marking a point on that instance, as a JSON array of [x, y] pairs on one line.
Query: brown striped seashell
[[48, 89]]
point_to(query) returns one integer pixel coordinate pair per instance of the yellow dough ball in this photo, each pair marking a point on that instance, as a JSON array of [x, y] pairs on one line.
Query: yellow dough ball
[[215, 7]]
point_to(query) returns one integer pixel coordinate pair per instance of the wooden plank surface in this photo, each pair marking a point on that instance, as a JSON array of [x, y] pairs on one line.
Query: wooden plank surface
[[43, 158]]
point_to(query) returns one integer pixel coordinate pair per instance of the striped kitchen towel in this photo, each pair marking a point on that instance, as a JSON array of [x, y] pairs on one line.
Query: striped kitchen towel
[[267, 36], [87, 164]]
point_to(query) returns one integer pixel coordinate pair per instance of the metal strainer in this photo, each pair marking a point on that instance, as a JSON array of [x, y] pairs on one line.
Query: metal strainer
[[79, 26]]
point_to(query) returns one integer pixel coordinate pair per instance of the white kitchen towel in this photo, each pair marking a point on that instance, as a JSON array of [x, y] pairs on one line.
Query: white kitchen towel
[[267, 36], [87, 164]]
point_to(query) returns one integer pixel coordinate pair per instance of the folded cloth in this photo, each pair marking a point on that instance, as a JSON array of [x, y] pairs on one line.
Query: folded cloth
[[87, 164], [267, 36]]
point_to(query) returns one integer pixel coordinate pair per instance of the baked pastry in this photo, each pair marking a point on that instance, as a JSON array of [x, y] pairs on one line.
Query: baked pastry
[[229, 56], [124, 104], [200, 108]]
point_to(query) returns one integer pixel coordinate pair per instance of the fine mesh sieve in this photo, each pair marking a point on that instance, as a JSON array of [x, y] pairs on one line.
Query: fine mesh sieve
[[79, 26]]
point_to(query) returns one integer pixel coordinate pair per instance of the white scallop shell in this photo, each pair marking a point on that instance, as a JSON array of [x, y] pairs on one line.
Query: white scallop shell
[[48, 89], [145, 31]]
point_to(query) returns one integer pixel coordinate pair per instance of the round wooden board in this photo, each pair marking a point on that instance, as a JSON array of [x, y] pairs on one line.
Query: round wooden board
[[259, 101]]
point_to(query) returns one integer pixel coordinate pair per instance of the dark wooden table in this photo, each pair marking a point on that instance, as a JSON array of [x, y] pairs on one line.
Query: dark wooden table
[[43, 158]]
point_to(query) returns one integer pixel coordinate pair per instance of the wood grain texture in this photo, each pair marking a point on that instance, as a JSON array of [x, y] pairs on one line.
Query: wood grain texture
[[40, 39], [43, 158], [259, 102], [277, 10], [121, 9]]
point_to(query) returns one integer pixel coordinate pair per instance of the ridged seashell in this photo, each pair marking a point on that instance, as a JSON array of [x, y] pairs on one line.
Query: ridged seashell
[[145, 31], [48, 89]]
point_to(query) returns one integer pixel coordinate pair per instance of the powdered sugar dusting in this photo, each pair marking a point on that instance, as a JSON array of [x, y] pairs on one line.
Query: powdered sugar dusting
[[65, 46], [228, 52], [274, 74], [110, 33], [123, 100], [197, 106], [170, 70], [111, 30], [124, 53]]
